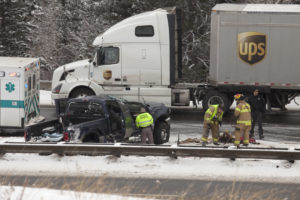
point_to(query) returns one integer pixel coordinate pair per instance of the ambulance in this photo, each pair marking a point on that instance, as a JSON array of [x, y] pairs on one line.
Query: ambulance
[[19, 94]]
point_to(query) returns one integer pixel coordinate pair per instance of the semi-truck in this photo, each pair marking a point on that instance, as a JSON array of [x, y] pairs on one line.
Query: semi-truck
[[140, 58]]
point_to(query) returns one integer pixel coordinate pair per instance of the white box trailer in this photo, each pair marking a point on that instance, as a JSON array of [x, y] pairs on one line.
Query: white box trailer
[[19, 96]]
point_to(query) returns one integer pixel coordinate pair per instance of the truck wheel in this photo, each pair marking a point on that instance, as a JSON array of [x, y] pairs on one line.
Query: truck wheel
[[216, 97], [161, 133], [81, 92]]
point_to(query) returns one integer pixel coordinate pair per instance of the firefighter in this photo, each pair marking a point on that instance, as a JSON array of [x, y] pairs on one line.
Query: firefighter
[[212, 119], [144, 122], [243, 124]]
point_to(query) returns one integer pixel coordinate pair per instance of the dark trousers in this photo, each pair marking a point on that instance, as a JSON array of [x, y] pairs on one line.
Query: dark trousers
[[256, 117]]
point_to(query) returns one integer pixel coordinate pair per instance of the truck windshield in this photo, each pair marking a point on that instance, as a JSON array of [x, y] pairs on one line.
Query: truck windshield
[[79, 112]]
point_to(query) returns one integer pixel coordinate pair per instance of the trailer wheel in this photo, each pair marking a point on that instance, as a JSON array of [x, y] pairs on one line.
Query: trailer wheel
[[216, 97], [161, 133], [81, 92]]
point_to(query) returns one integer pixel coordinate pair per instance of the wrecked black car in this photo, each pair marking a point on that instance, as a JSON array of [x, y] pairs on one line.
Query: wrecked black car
[[100, 119]]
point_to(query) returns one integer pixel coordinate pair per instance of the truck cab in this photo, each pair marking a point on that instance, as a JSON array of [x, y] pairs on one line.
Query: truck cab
[[134, 60]]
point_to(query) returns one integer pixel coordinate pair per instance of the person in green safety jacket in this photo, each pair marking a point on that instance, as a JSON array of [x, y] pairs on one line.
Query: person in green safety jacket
[[212, 119], [144, 122]]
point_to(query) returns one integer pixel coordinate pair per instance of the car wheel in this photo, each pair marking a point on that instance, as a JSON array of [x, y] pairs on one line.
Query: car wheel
[[81, 92], [161, 133]]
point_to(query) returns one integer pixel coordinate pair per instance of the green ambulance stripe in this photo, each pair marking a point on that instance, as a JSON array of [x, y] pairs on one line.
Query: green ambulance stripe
[[11, 104]]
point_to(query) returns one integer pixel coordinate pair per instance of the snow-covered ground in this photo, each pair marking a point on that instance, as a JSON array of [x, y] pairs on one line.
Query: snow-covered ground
[[152, 167], [45, 98], [25, 193]]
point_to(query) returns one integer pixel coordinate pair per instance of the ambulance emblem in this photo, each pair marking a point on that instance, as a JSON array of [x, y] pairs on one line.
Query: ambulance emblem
[[10, 87]]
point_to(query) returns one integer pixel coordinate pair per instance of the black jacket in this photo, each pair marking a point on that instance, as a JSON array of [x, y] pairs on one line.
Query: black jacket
[[257, 103]]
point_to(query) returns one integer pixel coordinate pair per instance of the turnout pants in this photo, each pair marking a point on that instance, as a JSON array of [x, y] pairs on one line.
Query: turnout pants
[[147, 133], [241, 130], [214, 131], [256, 117]]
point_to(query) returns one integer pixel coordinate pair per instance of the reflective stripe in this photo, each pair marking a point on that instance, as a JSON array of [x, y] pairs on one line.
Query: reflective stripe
[[246, 141], [245, 110], [145, 123], [247, 123], [204, 139], [238, 109], [11, 104], [236, 142], [215, 139], [208, 111]]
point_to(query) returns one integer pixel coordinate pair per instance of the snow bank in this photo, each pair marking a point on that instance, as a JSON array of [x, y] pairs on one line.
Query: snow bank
[[45, 98], [152, 167]]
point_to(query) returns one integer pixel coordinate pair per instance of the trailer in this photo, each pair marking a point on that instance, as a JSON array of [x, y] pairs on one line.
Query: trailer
[[20, 84], [254, 46], [140, 59]]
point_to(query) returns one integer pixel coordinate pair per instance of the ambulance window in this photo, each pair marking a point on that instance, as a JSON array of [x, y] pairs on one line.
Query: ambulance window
[[144, 31], [29, 83], [33, 81], [108, 55]]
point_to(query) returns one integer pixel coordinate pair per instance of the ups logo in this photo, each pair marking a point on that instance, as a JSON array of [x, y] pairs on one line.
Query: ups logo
[[107, 74], [252, 47]]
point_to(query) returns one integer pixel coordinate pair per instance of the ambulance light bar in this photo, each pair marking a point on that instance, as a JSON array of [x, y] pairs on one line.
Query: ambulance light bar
[[13, 74]]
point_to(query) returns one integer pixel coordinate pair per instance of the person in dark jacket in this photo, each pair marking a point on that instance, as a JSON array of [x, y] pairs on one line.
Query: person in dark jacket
[[258, 107]]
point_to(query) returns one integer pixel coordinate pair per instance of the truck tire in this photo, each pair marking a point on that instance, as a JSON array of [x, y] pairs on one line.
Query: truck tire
[[81, 92], [161, 133], [216, 97]]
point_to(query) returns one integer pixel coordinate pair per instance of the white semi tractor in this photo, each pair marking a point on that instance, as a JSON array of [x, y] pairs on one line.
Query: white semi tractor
[[139, 58]]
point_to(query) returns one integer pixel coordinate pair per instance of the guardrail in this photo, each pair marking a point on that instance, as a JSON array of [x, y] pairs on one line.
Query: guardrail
[[174, 151]]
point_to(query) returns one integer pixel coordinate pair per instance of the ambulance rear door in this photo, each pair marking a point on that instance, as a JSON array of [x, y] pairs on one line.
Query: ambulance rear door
[[10, 102]]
